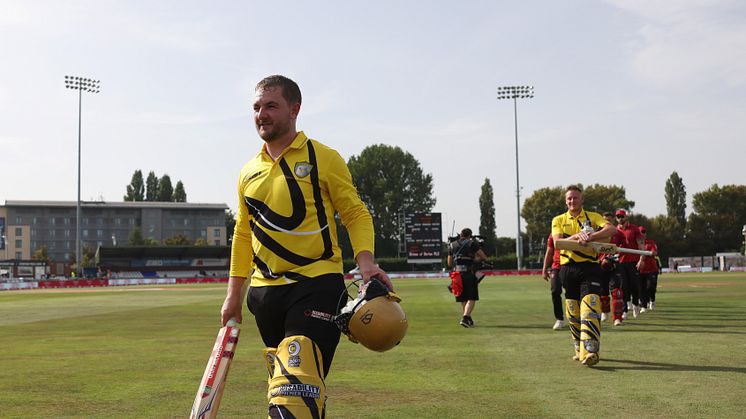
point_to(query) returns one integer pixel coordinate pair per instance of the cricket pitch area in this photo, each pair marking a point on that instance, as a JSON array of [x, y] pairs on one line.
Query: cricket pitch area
[[141, 351]]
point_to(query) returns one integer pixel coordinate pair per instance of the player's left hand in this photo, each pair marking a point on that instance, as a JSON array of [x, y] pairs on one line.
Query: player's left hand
[[369, 270]]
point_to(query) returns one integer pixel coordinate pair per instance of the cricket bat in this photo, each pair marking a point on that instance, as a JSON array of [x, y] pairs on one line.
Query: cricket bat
[[210, 390], [597, 247]]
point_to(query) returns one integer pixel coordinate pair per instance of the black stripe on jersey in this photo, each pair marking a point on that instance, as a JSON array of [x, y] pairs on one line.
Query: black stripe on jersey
[[319, 202], [264, 269], [257, 207], [277, 248]]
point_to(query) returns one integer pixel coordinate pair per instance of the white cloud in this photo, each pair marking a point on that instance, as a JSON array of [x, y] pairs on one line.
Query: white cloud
[[689, 43]]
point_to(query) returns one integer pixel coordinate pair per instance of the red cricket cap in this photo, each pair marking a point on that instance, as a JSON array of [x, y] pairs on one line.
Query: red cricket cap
[[621, 212]]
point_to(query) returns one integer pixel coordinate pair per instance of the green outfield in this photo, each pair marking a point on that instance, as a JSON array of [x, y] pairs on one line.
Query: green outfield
[[140, 352]]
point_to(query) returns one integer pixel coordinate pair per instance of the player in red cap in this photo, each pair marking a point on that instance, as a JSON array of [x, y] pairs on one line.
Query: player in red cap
[[648, 268], [628, 236]]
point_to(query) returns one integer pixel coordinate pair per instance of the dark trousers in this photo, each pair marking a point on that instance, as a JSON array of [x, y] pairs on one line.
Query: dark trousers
[[630, 279], [304, 308], [580, 279], [650, 283], [556, 288]]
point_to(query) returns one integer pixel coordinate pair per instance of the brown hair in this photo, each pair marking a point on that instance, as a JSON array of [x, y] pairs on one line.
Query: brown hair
[[573, 188], [290, 89]]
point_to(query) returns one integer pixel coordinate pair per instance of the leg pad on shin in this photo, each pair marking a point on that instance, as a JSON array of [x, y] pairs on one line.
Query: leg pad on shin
[[572, 313], [297, 383], [590, 327], [605, 304]]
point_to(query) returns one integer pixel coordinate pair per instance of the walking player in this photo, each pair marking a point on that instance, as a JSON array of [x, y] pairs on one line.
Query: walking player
[[550, 272], [285, 240], [581, 275]]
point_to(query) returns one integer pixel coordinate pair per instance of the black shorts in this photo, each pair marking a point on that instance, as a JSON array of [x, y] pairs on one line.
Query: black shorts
[[304, 308], [471, 287]]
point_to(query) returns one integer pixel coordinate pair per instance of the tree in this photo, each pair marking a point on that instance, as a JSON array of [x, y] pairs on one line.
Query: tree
[[676, 198], [539, 209], [668, 235], [135, 189], [718, 219], [178, 240], [390, 181], [230, 224], [41, 254], [487, 225], [602, 198], [151, 193], [201, 242], [179, 193], [165, 189], [89, 257], [135, 237]]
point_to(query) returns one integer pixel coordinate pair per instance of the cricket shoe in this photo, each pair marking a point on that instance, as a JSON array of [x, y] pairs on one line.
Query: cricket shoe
[[635, 310], [618, 322], [470, 321], [651, 305], [643, 309], [558, 325], [591, 360], [604, 317], [624, 316], [464, 323]]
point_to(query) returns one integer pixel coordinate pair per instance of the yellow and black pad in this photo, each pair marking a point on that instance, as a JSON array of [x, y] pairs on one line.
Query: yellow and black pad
[[590, 327], [297, 388], [572, 313], [269, 360]]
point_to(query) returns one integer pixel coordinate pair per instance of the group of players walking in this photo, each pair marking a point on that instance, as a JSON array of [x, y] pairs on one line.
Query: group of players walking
[[598, 286]]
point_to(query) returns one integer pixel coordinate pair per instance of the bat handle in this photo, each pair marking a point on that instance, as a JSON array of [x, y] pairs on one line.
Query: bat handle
[[232, 322]]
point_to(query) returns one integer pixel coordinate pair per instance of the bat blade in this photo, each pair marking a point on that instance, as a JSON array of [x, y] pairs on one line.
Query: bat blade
[[596, 247], [210, 390]]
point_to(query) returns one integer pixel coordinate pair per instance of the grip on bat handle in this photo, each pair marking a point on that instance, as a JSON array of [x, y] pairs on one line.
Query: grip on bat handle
[[232, 322]]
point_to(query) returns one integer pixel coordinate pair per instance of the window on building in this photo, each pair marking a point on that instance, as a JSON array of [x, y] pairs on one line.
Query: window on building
[[99, 233], [217, 242], [67, 233], [203, 233], [33, 220], [19, 220], [52, 221], [216, 233], [67, 245], [99, 221], [52, 233], [117, 221], [19, 243], [33, 232], [19, 255], [67, 221], [19, 231], [85, 233], [186, 221]]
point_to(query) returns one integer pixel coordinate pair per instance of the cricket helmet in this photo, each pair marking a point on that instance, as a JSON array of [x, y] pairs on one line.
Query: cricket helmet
[[374, 319]]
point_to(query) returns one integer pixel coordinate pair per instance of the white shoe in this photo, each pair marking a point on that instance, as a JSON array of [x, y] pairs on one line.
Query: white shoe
[[617, 322], [651, 305], [604, 317], [635, 310], [558, 325], [624, 316]]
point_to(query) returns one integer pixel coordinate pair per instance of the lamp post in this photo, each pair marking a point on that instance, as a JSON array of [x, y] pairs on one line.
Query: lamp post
[[81, 84], [515, 93]]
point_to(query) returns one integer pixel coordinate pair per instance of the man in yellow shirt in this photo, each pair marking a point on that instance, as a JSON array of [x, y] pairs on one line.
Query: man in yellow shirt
[[285, 243], [581, 275]]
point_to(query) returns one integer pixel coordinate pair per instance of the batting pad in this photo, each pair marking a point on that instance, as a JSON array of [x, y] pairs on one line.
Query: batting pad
[[590, 325], [297, 385], [572, 313]]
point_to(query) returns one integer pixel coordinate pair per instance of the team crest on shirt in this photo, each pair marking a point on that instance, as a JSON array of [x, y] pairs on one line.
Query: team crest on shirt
[[302, 168]]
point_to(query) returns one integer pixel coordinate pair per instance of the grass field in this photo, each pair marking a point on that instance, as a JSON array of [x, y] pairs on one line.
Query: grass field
[[140, 352]]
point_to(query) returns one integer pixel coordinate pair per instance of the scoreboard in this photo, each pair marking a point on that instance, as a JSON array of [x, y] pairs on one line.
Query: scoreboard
[[423, 237]]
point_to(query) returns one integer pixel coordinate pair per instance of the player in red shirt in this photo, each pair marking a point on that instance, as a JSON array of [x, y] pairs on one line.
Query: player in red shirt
[[648, 268], [629, 236], [550, 272]]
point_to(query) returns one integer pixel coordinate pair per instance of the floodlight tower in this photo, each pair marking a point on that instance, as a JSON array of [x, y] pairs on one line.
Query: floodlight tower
[[81, 84], [515, 93]]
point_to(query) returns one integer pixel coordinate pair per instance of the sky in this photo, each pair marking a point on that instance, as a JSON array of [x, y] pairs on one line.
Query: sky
[[626, 92]]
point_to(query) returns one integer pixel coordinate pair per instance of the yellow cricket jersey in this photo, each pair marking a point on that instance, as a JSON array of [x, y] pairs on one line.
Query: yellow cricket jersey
[[565, 225], [285, 229]]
